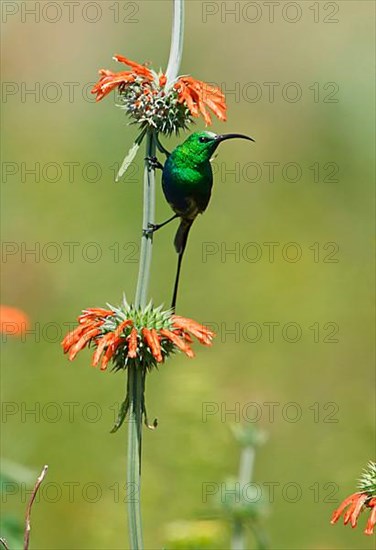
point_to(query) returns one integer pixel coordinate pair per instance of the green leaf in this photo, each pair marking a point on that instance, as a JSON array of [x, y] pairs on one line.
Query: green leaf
[[131, 155], [122, 415], [127, 161]]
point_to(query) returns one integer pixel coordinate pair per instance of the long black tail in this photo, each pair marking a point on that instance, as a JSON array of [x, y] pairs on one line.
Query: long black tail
[[180, 243]]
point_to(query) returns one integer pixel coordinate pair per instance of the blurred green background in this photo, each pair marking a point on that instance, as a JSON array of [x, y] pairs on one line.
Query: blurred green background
[[227, 290]]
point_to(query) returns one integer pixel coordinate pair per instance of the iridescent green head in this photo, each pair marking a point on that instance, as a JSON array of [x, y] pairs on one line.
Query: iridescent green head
[[202, 145]]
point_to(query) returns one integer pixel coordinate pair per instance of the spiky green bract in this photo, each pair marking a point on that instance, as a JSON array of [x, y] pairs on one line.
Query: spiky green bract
[[367, 481], [151, 106], [150, 318]]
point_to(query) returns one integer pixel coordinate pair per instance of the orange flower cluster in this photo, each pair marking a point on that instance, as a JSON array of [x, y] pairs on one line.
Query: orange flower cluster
[[355, 504], [196, 95], [108, 338]]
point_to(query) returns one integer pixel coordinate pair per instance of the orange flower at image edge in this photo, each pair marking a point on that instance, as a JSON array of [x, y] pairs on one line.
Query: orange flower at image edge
[[355, 504], [13, 321]]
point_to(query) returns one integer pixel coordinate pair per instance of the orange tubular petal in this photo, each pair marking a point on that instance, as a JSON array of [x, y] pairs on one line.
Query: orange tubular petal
[[146, 335], [188, 324], [105, 72], [347, 515], [214, 95], [137, 68], [187, 337], [132, 344], [109, 81], [97, 312], [338, 512], [124, 60], [74, 336], [107, 356], [162, 80], [101, 344], [151, 339], [157, 351], [179, 343], [203, 338], [198, 95], [193, 109], [181, 322], [203, 334], [90, 324], [113, 343], [205, 114], [357, 509], [122, 326], [184, 95], [93, 318], [218, 110], [371, 521], [82, 342]]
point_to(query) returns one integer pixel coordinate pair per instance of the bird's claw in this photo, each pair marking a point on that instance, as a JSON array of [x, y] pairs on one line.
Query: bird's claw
[[150, 230], [147, 233], [153, 163]]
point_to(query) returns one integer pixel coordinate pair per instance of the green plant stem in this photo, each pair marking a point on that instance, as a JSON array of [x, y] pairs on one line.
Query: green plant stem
[[237, 540], [177, 36], [135, 394], [148, 217], [247, 459], [261, 539], [136, 374]]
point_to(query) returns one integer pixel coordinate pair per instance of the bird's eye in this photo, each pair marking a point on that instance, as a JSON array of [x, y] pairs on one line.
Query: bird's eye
[[203, 139]]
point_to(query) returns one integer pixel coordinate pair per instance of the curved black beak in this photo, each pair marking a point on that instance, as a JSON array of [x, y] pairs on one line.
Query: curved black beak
[[223, 137]]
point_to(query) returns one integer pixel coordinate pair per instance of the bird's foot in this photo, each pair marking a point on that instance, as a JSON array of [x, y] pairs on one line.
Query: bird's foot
[[153, 163], [150, 230]]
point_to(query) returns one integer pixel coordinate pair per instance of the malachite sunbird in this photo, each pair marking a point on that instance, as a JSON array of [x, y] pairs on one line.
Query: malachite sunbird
[[187, 181]]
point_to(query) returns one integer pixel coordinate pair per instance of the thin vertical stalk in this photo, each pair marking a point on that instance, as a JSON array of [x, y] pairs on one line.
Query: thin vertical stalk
[[247, 459], [177, 39], [261, 538], [237, 539], [135, 389], [135, 394], [136, 375], [38, 483], [148, 218]]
